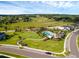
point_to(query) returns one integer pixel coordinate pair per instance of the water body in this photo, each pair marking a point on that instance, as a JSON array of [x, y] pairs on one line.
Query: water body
[[2, 56]]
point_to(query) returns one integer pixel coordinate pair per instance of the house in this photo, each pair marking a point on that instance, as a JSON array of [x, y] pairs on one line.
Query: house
[[69, 27], [56, 36], [2, 36], [59, 35], [48, 34], [63, 28], [60, 28]]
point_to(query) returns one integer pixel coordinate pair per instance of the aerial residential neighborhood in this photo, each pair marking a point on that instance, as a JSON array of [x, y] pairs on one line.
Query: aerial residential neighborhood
[[39, 32]]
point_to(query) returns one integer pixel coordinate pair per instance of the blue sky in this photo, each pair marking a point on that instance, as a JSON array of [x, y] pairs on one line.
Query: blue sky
[[39, 7]]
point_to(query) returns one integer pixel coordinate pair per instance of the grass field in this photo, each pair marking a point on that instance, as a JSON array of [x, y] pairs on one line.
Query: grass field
[[49, 45], [36, 22], [14, 37], [35, 41]]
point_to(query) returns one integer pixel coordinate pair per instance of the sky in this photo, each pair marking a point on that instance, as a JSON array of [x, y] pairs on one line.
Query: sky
[[39, 7]]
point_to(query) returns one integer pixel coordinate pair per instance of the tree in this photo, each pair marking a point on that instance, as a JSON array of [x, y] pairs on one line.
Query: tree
[[17, 29], [6, 28]]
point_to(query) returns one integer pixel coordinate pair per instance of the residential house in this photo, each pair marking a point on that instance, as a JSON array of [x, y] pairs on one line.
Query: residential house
[[71, 27], [59, 35], [64, 28]]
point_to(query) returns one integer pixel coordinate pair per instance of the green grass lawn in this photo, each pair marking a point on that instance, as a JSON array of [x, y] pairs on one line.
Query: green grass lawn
[[49, 45], [13, 40], [35, 41], [36, 22]]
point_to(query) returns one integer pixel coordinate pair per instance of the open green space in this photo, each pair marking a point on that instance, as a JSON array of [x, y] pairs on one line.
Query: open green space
[[49, 45], [33, 40], [12, 40], [36, 22], [40, 22], [14, 37]]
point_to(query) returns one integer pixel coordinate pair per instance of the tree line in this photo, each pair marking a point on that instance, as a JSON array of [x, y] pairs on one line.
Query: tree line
[[7, 19]]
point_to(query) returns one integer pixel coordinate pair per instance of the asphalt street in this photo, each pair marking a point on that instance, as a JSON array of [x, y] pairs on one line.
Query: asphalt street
[[25, 52], [74, 52]]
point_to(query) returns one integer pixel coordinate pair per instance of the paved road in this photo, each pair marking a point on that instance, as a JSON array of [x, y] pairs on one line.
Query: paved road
[[73, 45], [24, 52]]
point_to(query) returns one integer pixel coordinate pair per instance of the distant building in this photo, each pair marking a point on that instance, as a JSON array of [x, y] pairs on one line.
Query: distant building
[[70, 27], [63, 28], [61, 34]]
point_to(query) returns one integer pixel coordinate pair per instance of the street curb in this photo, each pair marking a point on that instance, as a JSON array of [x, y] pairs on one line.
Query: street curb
[[77, 42], [7, 55]]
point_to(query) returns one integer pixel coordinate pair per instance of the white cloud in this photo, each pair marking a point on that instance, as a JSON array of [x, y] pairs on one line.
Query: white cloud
[[58, 4], [14, 11], [10, 12]]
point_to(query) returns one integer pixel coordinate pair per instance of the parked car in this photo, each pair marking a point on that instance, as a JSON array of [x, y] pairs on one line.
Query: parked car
[[48, 53]]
